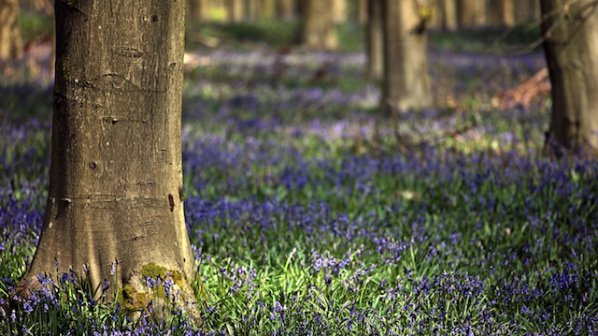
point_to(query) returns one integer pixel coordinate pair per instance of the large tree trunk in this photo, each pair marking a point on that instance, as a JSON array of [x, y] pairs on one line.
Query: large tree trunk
[[235, 10], [375, 40], [318, 28], [571, 47], [11, 44], [115, 193], [472, 13], [448, 14], [406, 83]]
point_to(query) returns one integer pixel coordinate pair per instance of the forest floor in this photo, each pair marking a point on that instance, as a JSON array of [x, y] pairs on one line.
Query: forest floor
[[312, 212]]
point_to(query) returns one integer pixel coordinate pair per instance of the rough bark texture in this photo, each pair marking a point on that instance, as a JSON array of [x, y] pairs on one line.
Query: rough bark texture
[[115, 193], [318, 28], [375, 40], [235, 10], [448, 14], [11, 44], [406, 83], [471, 13], [571, 49]]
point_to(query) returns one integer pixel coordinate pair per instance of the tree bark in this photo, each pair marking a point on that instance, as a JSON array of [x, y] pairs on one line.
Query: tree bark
[[115, 193], [507, 13], [11, 43], [406, 83], [235, 11], [318, 30], [286, 10], [472, 13], [375, 40], [527, 11], [571, 48], [267, 9], [448, 14], [501, 13], [339, 11]]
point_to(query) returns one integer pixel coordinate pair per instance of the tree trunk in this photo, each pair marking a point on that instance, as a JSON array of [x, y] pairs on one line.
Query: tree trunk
[[197, 9], [339, 11], [235, 11], [375, 40], [507, 13], [286, 10], [571, 48], [501, 13], [115, 193], [11, 44], [267, 9], [251, 10], [362, 11], [527, 11], [406, 83], [318, 28], [448, 14], [471, 13]]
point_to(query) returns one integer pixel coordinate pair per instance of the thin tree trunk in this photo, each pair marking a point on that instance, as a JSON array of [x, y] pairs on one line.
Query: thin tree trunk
[[375, 40], [472, 13], [527, 11], [115, 193], [571, 48], [235, 11], [11, 43], [267, 9], [339, 11], [362, 11], [318, 28], [507, 13], [197, 9], [406, 83], [287, 10], [448, 14]]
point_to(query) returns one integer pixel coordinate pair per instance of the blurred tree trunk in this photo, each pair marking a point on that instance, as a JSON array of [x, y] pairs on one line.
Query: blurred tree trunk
[[375, 40], [362, 11], [267, 9], [251, 10], [235, 11], [527, 11], [115, 192], [501, 13], [196, 9], [508, 13], [318, 28], [571, 48], [472, 13], [286, 10], [406, 83], [339, 11], [11, 43], [448, 14]]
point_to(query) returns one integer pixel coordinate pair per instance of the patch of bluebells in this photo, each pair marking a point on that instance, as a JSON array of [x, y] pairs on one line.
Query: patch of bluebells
[[297, 231]]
